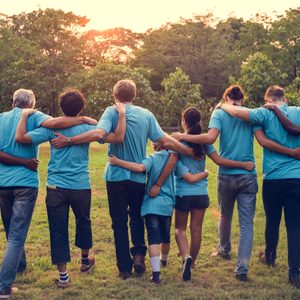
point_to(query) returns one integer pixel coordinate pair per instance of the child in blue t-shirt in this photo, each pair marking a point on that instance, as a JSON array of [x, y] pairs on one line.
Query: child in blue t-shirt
[[158, 211]]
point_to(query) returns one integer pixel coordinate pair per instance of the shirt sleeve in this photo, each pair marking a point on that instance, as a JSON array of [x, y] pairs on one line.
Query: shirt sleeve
[[216, 120], [258, 116], [180, 169], [41, 135], [209, 149], [39, 118], [148, 163], [155, 132], [106, 120]]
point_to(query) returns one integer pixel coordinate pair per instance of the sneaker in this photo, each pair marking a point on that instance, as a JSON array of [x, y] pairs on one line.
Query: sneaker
[[155, 278], [222, 255], [262, 258], [62, 284], [294, 281], [139, 264], [6, 293], [163, 263], [124, 275], [186, 268], [88, 268], [242, 277]]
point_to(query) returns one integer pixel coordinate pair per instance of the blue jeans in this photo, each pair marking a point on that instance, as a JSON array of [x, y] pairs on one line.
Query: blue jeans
[[23, 204], [242, 188]]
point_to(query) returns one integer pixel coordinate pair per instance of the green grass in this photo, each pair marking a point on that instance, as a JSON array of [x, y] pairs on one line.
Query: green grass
[[213, 278]]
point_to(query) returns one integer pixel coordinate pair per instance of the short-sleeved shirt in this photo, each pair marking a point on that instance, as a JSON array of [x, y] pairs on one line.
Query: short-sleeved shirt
[[277, 166], [140, 125], [68, 166], [163, 203], [236, 140], [20, 176], [184, 188]]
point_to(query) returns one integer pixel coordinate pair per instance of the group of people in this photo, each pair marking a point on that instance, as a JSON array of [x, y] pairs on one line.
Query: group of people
[[175, 176]]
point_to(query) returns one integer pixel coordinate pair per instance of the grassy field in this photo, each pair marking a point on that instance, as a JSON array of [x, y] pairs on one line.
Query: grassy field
[[212, 279]]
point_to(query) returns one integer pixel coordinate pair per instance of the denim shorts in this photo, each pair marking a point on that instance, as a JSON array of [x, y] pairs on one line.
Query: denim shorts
[[187, 203], [158, 229]]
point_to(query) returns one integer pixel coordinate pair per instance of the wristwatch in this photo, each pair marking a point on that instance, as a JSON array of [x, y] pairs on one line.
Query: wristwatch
[[69, 140]]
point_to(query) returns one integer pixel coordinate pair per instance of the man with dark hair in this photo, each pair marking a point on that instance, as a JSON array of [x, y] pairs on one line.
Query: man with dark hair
[[68, 184], [281, 185], [126, 189], [19, 185]]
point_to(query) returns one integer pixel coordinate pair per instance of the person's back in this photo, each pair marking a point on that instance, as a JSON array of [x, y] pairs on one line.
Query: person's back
[[18, 175]]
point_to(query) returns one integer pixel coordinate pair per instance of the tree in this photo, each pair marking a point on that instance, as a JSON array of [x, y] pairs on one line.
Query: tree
[[257, 74], [178, 94], [97, 84]]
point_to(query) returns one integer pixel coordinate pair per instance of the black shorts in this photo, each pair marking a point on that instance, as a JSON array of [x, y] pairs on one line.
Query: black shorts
[[187, 203], [158, 229]]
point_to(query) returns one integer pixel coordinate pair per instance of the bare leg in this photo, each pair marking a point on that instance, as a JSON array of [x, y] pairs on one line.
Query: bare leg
[[180, 232]]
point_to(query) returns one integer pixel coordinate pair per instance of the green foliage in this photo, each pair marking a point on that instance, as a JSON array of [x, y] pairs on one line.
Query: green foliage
[[293, 92], [178, 94], [257, 74], [97, 85]]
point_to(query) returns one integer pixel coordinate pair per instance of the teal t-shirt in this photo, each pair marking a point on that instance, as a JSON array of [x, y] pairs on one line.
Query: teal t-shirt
[[184, 188], [68, 167], [236, 140], [163, 203], [11, 176], [277, 166], [140, 125]]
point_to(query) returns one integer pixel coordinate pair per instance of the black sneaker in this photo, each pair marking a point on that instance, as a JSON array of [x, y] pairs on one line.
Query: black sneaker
[[186, 268], [263, 259], [295, 281], [164, 263], [155, 278], [6, 293], [124, 275], [241, 277]]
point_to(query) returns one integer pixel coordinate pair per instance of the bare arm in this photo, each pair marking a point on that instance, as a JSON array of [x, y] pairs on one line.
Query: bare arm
[[132, 166], [65, 122], [271, 145], [236, 111], [192, 178], [30, 163], [204, 138], [168, 168], [289, 126], [232, 164], [21, 132], [167, 142]]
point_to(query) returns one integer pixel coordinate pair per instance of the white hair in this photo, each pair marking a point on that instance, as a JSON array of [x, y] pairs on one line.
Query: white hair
[[24, 98]]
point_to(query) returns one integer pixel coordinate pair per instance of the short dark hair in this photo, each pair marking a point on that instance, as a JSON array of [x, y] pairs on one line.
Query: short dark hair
[[125, 90], [234, 92], [275, 92], [71, 102]]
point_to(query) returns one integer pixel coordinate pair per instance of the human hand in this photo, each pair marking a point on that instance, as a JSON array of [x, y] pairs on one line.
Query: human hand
[[296, 153], [249, 165], [177, 135], [88, 120], [154, 191], [270, 106], [31, 163], [60, 141], [113, 160], [28, 111], [120, 108]]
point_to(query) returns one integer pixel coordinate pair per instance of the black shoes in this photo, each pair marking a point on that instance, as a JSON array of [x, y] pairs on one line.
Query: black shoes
[[186, 268], [124, 275], [222, 255], [139, 264], [155, 278], [295, 281], [241, 277], [263, 259]]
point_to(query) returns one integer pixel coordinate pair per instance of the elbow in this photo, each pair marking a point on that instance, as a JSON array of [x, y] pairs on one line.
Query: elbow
[[19, 138], [119, 139], [141, 168]]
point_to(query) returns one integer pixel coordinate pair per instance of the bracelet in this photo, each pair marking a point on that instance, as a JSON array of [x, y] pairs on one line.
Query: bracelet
[[69, 140]]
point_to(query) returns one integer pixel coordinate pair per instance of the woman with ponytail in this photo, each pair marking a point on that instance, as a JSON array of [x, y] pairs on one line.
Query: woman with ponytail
[[192, 198]]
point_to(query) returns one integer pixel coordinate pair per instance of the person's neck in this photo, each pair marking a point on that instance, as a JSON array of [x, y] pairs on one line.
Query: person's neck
[[278, 103]]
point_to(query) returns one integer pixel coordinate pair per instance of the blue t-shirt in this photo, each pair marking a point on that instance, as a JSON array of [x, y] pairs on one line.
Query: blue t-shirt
[[68, 167], [277, 166], [236, 140], [184, 188], [163, 203], [11, 176], [140, 125]]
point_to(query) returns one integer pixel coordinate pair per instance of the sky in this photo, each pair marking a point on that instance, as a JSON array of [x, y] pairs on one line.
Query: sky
[[140, 15]]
